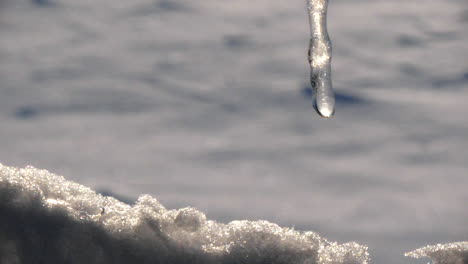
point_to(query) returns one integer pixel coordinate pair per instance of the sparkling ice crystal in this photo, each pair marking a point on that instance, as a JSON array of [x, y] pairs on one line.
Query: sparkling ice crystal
[[48, 219], [452, 253]]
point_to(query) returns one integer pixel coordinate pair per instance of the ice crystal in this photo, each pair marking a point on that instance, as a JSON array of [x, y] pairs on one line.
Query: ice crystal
[[452, 253]]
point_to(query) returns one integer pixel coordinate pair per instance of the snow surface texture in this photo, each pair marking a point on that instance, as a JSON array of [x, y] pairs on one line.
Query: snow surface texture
[[46, 219], [207, 104], [452, 253]]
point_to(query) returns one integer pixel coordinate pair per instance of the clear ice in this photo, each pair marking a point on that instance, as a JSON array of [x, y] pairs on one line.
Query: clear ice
[[47, 219], [319, 56]]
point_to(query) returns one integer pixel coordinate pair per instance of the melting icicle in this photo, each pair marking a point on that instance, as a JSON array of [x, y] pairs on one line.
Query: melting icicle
[[320, 58]]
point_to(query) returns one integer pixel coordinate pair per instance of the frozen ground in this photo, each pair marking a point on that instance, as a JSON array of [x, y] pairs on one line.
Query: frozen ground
[[205, 103]]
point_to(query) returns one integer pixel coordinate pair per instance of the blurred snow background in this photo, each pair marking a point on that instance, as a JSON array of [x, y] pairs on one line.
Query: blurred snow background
[[206, 104]]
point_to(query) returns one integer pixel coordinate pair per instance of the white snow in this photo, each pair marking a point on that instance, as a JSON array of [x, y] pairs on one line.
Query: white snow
[[451, 253], [204, 103], [47, 219]]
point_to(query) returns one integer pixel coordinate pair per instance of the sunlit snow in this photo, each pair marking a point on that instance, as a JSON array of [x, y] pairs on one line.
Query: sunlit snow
[[451, 253], [47, 219], [207, 104]]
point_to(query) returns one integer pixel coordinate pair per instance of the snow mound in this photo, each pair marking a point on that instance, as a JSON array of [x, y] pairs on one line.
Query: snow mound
[[452, 253], [47, 219]]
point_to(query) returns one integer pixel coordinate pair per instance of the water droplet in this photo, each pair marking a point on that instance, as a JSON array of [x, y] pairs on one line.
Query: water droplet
[[83, 216]]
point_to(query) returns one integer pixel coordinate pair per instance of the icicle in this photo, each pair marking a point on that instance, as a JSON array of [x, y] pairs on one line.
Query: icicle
[[320, 58]]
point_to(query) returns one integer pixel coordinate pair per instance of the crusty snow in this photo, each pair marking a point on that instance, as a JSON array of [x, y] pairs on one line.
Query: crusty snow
[[206, 103], [47, 219], [450, 253]]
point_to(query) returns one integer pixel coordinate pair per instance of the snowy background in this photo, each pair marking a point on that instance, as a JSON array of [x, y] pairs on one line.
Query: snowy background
[[206, 103]]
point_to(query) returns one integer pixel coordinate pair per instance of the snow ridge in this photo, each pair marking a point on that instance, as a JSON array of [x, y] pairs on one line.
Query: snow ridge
[[451, 253], [47, 219]]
